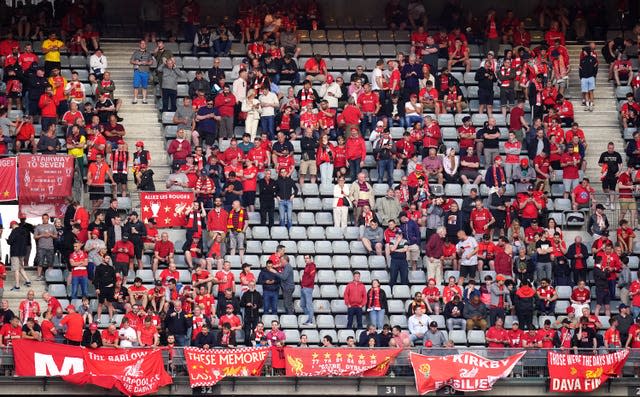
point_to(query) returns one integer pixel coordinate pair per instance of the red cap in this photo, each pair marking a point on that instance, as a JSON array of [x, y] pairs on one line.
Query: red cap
[[70, 308], [93, 327], [229, 306], [497, 158], [500, 277], [140, 143], [524, 162], [329, 79], [419, 167], [12, 223], [570, 310], [95, 232]]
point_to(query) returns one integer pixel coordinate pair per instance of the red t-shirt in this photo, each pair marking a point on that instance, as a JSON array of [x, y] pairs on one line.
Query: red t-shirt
[[634, 331], [368, 102], [137, 292], [515, 337], [546, 343], [612, 337], [530, 340], [495, 333], [229, 283], [147, 334], [581, 296], [167, 275], [75, 326], [164, 248], [479, 218], [582, 194], [514, 119], [205, 302], [9, 333], [46, 328], [570, 171], [79, 270], [232, 320], [108, 337]]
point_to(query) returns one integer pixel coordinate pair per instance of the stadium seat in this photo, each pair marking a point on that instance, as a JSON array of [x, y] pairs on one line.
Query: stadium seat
[[475, 337], [459, 337]]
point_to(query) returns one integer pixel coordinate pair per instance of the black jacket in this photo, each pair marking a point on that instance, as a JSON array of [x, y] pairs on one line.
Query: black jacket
[[588, 67], [571, 253], [387, 109], [308, 147], [285, 188], [221, 307], [105, 276], [202, 339], [88, 338], [533, 147], [485, 79], [18, 241], [251, 297], [267, 192], [177, 323]]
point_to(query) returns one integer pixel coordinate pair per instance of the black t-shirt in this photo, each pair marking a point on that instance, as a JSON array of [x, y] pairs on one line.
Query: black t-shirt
[[229, 196], [544, 258], [36, 328], [613, 161], [489, 143], [279, 147]]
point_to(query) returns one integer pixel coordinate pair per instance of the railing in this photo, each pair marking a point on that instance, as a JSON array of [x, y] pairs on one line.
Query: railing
[[532, 365]]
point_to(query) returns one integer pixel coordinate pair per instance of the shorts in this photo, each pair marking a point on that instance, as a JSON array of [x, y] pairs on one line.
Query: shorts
[[122, 268], [609, 183], [106, 295], [140, 79], [507, 97], [468, 272], [137, 250], [602, 297], [45, 257], [96, 192], [120, 178], [570, 184], [627, 204], [16, 262], [470, 174], [248, 198], [236, 240], [587, 84], [485, 97], [308, 167], [413, 252]]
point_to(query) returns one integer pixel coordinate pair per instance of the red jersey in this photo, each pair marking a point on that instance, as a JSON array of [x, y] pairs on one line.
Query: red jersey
[[206, 303], [230, 319], [634, 332], [9, 332], [467, 137], [496, 333], [368, 103], [449, 292], [479, 218], [167, 275], [612, 338], [581, 296], [225, 280], [515, 337], [108, 337], [79, 270], [546, 336], [164, 248]]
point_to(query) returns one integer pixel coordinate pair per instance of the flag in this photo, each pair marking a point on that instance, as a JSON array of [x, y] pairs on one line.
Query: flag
[[169, 209], [44, 181], [570, 373], [463, 372], [338, 362], [8, 171], [207, 367]]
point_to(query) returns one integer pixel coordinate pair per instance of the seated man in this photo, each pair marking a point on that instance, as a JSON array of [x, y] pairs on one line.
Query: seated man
[[625, 109], [476, 312], [622, 70], [372, 237], [433, 166], [418, 325]]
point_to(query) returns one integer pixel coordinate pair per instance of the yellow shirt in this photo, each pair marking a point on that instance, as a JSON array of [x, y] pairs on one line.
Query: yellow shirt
[[77, 152], [52, 56]]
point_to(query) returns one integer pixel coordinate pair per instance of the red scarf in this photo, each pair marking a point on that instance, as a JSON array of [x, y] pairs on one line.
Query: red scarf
[[497, 172]]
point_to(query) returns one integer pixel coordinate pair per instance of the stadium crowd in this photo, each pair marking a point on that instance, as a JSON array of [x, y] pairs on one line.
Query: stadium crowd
[[504, 233]]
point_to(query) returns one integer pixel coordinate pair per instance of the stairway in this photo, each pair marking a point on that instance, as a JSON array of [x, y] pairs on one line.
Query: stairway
[[140, 120], [600, 126], [15, 297]]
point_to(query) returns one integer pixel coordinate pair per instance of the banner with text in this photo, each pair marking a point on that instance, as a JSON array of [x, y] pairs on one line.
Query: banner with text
[[169, 209], [46, 359], [338, 362], [464, 372], [44, 181], [570, 373], [8, 191], [135, 372], [207, 367]]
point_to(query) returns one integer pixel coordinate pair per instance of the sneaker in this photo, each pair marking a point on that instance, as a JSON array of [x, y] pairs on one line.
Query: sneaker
[[28, 284], [144, 101], [40, 278], [15, 288], [134, 102], [119, 119]]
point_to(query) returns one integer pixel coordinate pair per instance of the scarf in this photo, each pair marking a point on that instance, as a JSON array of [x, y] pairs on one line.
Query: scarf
[[239, 226], [498, 172], [374, 299], [505, 72]]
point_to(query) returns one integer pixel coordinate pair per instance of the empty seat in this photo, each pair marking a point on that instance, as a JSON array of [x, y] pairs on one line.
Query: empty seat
[[324, 218], [326, 277], [329, 291], [315, 233], [356, 247], [325, 321], [337, 49], [310, 189], [398, 319], [54, 276], [354, 50], [334, 233], [359, 262], [278, 232], [459, 337], [322, 247], [306, 218], [475, 337], [306, 247], [58, 290], [401, 292]]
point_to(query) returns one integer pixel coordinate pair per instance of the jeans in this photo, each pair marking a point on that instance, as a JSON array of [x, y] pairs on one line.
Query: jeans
[[543, 270], [326, 174], [293, 78], [285, 208], [79, 282], [169, 100], [270, 299], [368, 122], [221, 48], [635, 311], [181, 340], [354, 312], [306, 302], [409, 120], [268, 125], [453, 323], [376, 317], [385, 166], [399, 266], [354, 169]]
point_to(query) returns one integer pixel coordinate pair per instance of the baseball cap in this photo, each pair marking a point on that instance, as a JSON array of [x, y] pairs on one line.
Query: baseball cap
[[530, 188], [70, 308], [229, 306], [622, 306], [380, 124], [158, 283], [12, 223], [497, 158], [500, 277], [433, 324], [95, 232], [93, 327], [140, 143], [570, 310]]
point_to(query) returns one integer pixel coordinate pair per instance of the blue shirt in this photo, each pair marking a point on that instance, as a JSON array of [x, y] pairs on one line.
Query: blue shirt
[[207, 126]]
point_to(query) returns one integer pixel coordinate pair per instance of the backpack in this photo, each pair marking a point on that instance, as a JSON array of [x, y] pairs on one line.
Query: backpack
[[146, 181]]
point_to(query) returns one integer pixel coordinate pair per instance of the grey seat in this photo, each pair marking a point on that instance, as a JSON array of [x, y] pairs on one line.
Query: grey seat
[[322, 261], [359, 262], [312, 336], [458, 336], [398, 319], [321, 306], [298, 233], [323, 247], [377, 262], [278, 233], [287, 321], [312, 204], [354, 50], [475, 337], [292, 336], [315, 233], [401, 292], [324, 218], [344, 334], [310, 189], [338, 306], [371, 50], [146, 275], [306, 218], [352, 233], [325, 321], [306, 247], [381, 275], [329, 291], [417, 277], [344, 276], [54, 276], [326, 277], [356, 247], [340, 320], [395, 306], [337, 50], [190, 62], [260, 232], [269, 246], [58, 290], [387, 50], [340, 261], [334, 233], [290, 246], [452, 190]]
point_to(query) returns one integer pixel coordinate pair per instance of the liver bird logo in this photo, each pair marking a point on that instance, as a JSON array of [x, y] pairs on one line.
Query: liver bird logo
[[425, 369], [593, 374], [295, 364], [466, 373]]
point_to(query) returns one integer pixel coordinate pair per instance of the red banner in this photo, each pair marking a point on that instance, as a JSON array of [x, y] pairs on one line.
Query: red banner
[[46, 359], [135, 372], [168, 208], [338, 362], [44, 181], [208, 367], [463, 372], [570, 373], [8, 171]]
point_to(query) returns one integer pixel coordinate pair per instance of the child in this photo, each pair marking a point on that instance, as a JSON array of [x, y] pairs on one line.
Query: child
[[25, 134], [84, 309]]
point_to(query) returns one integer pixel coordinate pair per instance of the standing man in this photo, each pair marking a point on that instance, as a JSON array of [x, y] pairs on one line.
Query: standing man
[[355, 297], [610, 166], [588, 70], [307, 283], [286, 283], [411, 232], [142, 61], [237, 225], [97, 173], [17, 241], [286, 190], [251, 301], [51, 49], [268, 192], [435, 252], [44, 235]]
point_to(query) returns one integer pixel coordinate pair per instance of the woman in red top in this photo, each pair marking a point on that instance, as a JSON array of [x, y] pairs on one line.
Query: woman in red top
[[325, 157], [431, 295], [79, 275], [580, 297]]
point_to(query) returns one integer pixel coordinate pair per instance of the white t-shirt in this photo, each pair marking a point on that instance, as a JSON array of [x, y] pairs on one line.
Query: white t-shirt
[[128, 337], [377, 72], [468, 246], [271, 99]]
